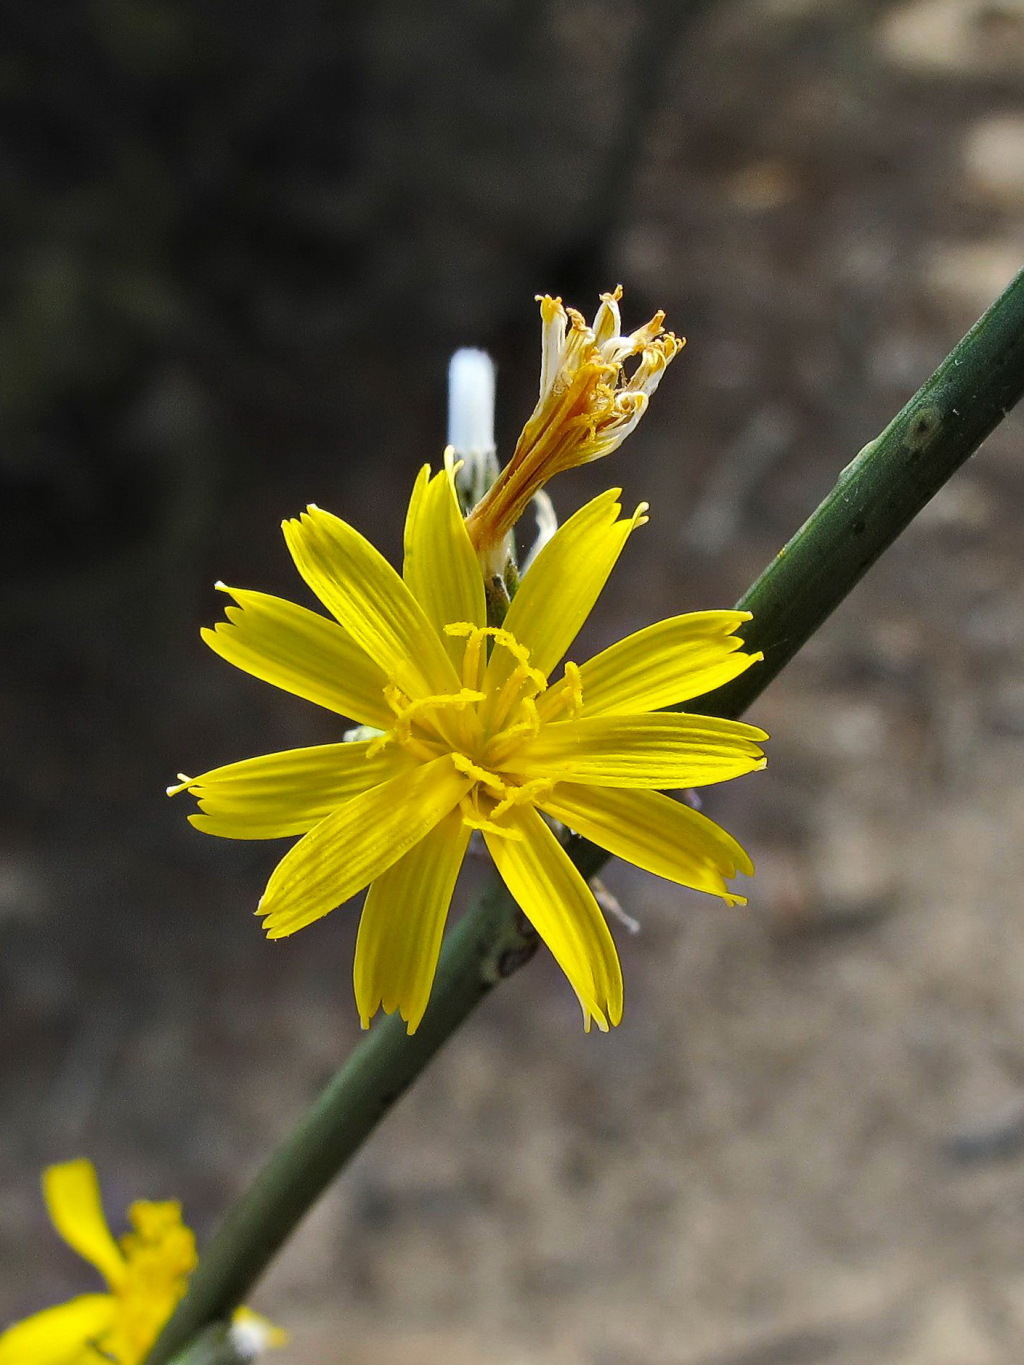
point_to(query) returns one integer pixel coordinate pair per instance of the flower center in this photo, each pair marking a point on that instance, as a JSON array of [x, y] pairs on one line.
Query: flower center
[[160, 1255], [480, 726]]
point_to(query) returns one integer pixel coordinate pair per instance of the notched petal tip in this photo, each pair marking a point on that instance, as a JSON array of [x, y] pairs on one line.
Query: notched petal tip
[[274, 932]]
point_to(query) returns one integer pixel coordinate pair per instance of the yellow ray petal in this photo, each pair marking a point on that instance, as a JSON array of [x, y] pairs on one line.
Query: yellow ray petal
[[653, 832], [61, 1335], [358, 586], [276, 795], [561, 907], [72, 1194], [667, 663], [441, 567], [363, 838], [660, 749], [560, 588], [402, 924], [303, 653]]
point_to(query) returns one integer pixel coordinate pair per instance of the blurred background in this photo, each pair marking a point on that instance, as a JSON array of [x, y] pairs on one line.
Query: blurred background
[[239, 242]]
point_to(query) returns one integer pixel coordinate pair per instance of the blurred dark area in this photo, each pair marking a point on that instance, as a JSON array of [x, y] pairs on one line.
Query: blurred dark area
[[237, 246]]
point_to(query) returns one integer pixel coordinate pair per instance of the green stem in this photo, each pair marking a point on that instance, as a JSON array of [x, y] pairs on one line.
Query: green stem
[[874, 499], [879, 493], [212, 1347], [490, 942]]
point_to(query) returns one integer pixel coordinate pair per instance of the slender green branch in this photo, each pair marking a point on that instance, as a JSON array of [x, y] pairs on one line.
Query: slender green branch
[[876, 496], [879, 493], [212, 1347], [490, 942]]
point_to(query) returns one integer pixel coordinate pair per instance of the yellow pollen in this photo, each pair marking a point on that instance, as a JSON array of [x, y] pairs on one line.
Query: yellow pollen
[[574, 682], [492, 781], [523, 673], [500, 636], [507, 740], [528, 726], [474, 637], [472, 819], [520, 796], [513, 689], [454, 701], [407, 711]]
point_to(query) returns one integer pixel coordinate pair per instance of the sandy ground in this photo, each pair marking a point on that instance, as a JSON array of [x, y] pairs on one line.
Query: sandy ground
[[805, 1144]]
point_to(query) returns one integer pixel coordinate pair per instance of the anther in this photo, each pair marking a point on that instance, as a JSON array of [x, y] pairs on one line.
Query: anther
[[396, 699], [531, 791], [381, 742], [574, 683], [472, 819], [520, 677], [524, 729], [474, 637], [486, 779]]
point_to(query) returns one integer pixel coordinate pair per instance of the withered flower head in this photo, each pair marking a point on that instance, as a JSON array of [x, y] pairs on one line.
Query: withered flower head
[[587, 407]]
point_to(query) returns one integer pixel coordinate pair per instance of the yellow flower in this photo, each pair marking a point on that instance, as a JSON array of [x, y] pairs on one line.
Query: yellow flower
[[473, 737], [146, 1272], [587, 407]]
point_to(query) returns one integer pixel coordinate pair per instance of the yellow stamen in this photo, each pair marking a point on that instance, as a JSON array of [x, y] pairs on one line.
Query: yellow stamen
[[486, 779], [535, 790], [574, 682], [525, 728], [474, 637], [472, 819]]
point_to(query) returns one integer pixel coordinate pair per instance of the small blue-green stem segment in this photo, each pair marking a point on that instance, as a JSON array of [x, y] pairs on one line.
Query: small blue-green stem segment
[[875, 497]]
